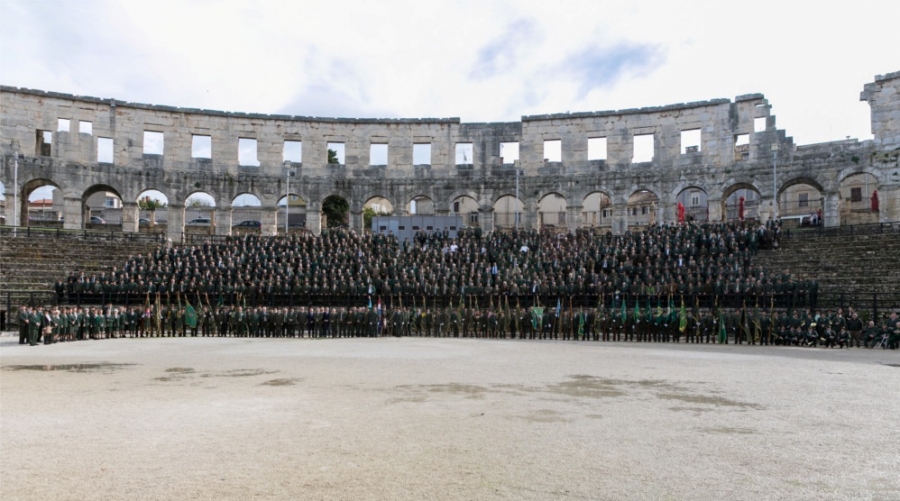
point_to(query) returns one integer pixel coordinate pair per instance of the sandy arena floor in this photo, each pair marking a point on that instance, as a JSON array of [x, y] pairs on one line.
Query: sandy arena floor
[[396, 419]]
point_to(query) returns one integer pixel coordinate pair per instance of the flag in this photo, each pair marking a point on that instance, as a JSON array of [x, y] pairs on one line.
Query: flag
[[558, 307], [581, 324], [537, 314], [370, 302], [723, 334], [682, 323], [190, 315], [637, 311], [624, 311]]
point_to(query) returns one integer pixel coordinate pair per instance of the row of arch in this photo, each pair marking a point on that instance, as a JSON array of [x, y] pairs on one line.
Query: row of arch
[[796, 197]]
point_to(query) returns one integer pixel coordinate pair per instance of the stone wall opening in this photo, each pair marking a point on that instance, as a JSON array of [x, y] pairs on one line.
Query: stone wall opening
[[642, 208], [292, 152], [295, 212], [643, 148], [690, 141], [467, 208], [798, 199], [741, 147], [553, 150], [508, 212], [154, 143], [597, 148], [336, 212], [199, 212], [597, 210], [201, 146], [153, 208], [41, 204], [695, 202], [247, 153], [856, 205], [104, 150], [509, 153], [101, 206], [552, 211], [465, 154], [246, 213], [422, 154], [378, 154], [336, 153], [43, 143], [741, 201], [420, 206]]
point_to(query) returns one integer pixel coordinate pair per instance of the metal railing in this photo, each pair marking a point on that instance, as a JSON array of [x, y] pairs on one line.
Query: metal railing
[[850, 230], [92, 233]]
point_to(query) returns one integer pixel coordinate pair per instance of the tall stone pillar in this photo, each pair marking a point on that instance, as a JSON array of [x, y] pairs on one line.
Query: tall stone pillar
[[269, 221], [314, 221], [831, 215], [889, 203], [130, 217], [175, 223], [766, 209], [9, 210], [716, 213], [73, 213], [485, 220], [222, 221], [620, 219], [573, 217], [530, 219], [356, 222]]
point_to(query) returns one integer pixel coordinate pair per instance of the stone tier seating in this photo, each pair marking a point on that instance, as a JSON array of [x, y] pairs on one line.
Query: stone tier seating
[[842, 263], [34, 264]]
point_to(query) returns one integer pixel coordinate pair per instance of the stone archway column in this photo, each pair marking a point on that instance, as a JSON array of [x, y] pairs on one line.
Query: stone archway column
[[314, 221], [530, 217], [356, 222], [766, 209], [269, 221], [222, 219], [175, 223], [716, 209], [9, 210], [888, 203], [485, 220], [73, 213], [620, 219], [130, 217], [831, 215], [573, 217]]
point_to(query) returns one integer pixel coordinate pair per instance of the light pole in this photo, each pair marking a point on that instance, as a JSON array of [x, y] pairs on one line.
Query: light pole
[[775, 179], [16, 194], [288, 172], [516, 163]]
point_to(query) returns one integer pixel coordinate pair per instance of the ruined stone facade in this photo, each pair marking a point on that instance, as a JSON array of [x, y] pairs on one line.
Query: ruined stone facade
[[740, 151]]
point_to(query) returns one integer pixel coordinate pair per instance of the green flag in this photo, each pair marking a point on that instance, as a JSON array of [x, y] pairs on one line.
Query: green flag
[[624, 311], [637, 310], [190, 316], [682, 323], [537, 314]]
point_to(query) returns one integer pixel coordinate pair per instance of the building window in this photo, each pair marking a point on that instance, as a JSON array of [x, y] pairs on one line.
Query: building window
[[644, 210], [43, 143], [509, 153], [338, 156], [422, 154], [553, 150], [63, 125], [153, 143], [473, 218], [378, 154], [596, 148], [104, 150], [690, 141], [643, 148], [456, 207], [293, 152], [695, 200], [856, 194], [464, 153], [803, 199], [247, 152], [201, 146], [85, 127]]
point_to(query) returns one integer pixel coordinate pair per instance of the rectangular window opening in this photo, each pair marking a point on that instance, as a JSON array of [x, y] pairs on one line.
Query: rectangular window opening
[[104, 150], [85, 127], [553, 150], [378, 154], [759, 124], [509, 153], [422, 154], [464, 153], [856, 194], [742, 146], [43, 143], [690, 141], [293, 152], [643, 148], [63, 125], [336, 153], [247, 156], [456, 207], [803, 199], [153, 143], [596, 148], [695, 200], [201, 146]]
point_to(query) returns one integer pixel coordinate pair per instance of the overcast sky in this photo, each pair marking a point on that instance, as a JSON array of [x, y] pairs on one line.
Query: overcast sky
[[478, 60]]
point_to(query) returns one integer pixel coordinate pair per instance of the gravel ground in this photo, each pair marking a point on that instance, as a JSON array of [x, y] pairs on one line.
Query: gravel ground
[[198, 419]]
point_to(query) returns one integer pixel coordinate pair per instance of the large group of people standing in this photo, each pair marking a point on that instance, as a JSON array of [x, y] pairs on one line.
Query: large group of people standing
[[527, 284]]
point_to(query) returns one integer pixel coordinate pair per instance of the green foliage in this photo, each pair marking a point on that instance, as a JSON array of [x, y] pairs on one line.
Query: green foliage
[[333, 157], [335, 210], [369, 213], [148, 203]]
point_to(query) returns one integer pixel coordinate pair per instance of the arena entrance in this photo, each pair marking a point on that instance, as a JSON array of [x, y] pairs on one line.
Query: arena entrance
[[552, 211], [153, 207], [695, 202], [420, 206], [741, 202], [859, 203], [597, 210], [642, 208], [294, 213], [801, 200], [41, 204], [466, 207], [508, 212]]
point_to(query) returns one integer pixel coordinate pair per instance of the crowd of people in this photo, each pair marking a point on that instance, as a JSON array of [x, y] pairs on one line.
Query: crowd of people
[[803, 327], [711, 262], [527, 284]]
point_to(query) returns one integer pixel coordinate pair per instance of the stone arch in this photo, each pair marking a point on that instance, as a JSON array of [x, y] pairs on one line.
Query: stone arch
[[200, 210], [295, 212], [552, 210], [731, 201], [695, 201], [380, 204], [467, 208], [335, 210], [856, 191], [421, 205], [101, 204], [507, 208], [55, 205], [246, 211], [597, 209], [642, 208], [153, 207], [800, 196]]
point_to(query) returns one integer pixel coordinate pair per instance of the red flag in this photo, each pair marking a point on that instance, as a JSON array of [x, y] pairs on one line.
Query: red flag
[[680, 212], [741, 208], [874, 200]]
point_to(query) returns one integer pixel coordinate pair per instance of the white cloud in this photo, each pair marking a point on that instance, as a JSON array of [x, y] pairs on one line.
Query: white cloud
[[481, 61]]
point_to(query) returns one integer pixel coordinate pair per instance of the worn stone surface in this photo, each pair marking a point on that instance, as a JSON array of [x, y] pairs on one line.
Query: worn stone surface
[[717, 168]]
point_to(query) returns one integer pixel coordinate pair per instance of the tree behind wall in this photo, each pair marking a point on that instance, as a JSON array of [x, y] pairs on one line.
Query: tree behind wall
[[335, 210]]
